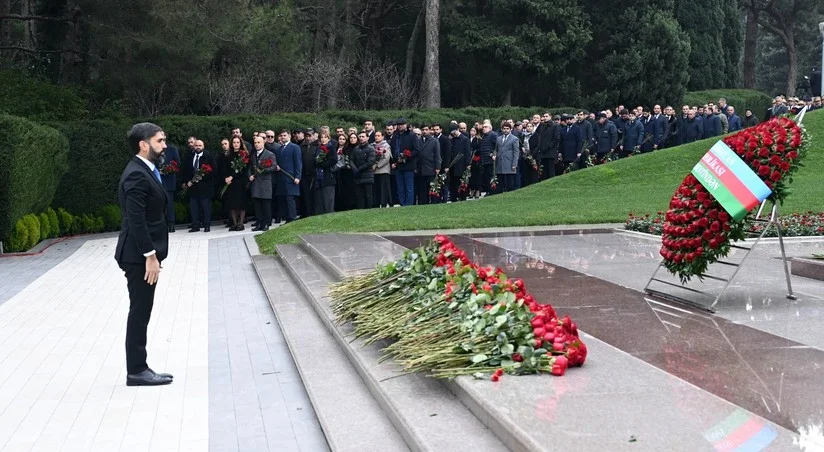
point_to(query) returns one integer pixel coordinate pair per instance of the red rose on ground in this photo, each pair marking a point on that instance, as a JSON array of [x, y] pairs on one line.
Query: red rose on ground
[[559, 365]]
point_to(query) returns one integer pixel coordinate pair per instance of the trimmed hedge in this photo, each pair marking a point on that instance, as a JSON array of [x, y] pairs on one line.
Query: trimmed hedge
[[741, 99], [33, 160]]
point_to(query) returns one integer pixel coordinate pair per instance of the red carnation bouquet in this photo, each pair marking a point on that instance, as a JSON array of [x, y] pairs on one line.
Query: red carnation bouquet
[[323, 153], [240, 162], [449, 316], [204, 170], [263, 166], [436, 186], [467, 174], [170, 168], [404, 156], [697, 230]]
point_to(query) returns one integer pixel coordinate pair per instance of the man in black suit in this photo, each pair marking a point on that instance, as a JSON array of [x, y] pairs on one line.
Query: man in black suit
[[142, 245], [200, 192]]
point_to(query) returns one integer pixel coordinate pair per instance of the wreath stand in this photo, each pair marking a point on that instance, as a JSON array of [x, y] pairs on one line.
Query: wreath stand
[[768, 221], [772, 220]]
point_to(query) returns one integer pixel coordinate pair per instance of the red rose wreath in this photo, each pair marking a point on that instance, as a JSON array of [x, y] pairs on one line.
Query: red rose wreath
[[697, 230]]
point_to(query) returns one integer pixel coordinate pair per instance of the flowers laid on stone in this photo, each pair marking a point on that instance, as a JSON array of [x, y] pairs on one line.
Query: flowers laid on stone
[[697, 230], [447, 316]]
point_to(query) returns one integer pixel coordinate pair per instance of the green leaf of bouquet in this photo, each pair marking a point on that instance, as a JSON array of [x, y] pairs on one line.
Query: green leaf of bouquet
[[507, 349], [433, 284], [507, 363], [479, 358], [501, 319]]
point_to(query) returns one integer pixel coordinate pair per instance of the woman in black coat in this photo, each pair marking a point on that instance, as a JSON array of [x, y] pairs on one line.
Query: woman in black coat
[[235, 197], [363, 158], [475, 173], [326, 158], [345, 199]]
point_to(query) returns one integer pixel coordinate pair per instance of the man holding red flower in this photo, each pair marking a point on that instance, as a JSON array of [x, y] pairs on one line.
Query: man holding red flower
[[260, 176], [199, 188]]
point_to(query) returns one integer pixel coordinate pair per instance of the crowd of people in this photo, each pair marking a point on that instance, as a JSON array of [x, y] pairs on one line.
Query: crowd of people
[[304, 172]]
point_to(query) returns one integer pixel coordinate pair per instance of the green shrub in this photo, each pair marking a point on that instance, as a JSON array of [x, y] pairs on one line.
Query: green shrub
[[33, 161], [32, 223], [54, 224], [88, 223], [45, 226], [24, 95], [741, 99], [181, 212], [19, 237], [66, 221], [110, 214], [99, 225]]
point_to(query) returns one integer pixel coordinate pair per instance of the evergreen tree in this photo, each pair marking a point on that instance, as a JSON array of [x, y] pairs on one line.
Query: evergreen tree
[[639, 54], [703, 21], [732, 38]]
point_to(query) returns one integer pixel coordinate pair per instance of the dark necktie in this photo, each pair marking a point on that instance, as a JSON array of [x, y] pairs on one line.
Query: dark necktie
[[197, 161]]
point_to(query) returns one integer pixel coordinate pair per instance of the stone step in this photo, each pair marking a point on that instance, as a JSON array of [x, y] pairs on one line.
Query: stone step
[[428, 415], [352, 420]]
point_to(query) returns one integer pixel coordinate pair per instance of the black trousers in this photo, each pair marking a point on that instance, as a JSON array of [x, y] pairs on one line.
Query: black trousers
[[324, 200], [507, 182], [486, 177], [454, 184], [201, 210], [549, 168], [287, 207], [422, 186], [363, 196], [307, 207], [382, 189], [393, 190], [141, 300], [263, 211]]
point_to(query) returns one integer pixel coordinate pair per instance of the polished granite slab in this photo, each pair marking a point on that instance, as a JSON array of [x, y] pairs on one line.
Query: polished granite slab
[[767, 374], [609, 403]]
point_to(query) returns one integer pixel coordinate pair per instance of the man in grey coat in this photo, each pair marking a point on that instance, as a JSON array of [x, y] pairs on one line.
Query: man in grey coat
[[429, 165], [260, 177], [506, 158]]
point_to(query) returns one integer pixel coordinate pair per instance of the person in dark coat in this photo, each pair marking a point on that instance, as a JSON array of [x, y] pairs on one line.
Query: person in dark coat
[[199, 192], [171, 160], [288, 188], [234, 199], [693, 128], [532, 147], [606, 136], [324, 186], [649, 126], [734, 120], [633, 135], [659, 128], [429, 165], [362, 161], [345, 195], [405, 148], [485, 149], [475, 170], [446, 157], [308, 148], [549, 149], [462, 155], [750, 120], [260, 174], [571, 139], [712, 124], [587, 131]]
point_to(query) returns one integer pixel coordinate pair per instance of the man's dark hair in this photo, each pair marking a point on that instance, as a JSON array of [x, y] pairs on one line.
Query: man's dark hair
[[286, 131], [141, 132]]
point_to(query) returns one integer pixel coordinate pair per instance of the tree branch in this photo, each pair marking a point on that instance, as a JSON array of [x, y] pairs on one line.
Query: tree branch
[[773, 29], [24, 49], [43, 18]]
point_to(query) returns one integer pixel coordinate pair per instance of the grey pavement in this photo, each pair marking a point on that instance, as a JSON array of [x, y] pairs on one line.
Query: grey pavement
[[17, 272]]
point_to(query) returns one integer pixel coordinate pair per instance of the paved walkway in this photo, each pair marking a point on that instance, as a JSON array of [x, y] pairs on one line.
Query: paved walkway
[[62, 365]]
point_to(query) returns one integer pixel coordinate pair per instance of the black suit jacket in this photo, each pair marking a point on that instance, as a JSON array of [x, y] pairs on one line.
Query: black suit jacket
[[204, 188], [143, 208]]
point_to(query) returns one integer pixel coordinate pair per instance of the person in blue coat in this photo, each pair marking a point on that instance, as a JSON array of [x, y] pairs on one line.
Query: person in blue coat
[[572, 139], [289, 160], [660, 128], [712, 124], [633, 135], [693, 127], [734, 120], [169, 179]]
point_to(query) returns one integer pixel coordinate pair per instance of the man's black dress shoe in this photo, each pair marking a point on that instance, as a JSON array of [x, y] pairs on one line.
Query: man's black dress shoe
[[146, 378], [172, 228], [207, 229], [194, 230], [162, 374]]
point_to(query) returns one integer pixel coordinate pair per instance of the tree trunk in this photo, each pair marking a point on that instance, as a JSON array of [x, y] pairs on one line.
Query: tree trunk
[[431, 73], [410, 48], [792, 66], [750, 46], [29, 29], [5, 24]]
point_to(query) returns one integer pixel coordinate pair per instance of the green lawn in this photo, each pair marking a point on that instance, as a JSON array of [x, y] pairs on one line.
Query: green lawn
[[601, 194]]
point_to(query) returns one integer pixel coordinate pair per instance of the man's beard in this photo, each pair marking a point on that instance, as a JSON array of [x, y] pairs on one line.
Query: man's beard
[[156, 157]]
